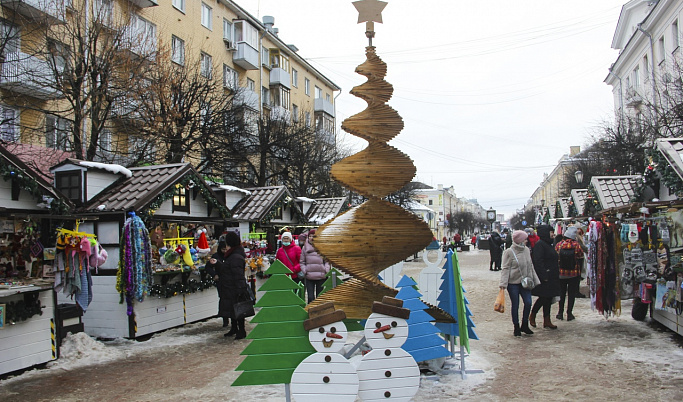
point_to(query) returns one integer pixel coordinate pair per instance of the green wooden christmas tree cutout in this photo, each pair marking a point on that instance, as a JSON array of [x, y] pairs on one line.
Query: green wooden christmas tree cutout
[[328, 284], [279, 341]]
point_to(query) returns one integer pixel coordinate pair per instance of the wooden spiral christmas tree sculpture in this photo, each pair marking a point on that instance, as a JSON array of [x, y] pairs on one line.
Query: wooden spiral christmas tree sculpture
[[377, 234]]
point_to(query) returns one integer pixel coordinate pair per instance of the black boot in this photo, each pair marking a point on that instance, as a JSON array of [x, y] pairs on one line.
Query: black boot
[[241, 332], [517, 331], [525, 328], [233, 329]]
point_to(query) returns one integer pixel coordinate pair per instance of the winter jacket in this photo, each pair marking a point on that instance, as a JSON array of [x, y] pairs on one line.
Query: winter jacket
[[508, 240], [313, 265], [546, 265], [231, 280], [290, 255], [495, 241], [512, 271]]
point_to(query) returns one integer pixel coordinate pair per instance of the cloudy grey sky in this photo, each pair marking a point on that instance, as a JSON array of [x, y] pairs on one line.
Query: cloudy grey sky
[[492, 93]]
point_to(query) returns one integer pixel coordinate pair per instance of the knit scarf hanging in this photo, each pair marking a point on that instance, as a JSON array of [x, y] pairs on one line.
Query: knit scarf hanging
[[134, 276]]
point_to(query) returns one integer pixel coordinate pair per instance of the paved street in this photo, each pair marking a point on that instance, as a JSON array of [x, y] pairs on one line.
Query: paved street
[[592, 358]]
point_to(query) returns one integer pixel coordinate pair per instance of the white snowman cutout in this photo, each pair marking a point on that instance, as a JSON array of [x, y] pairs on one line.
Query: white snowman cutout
[[325, 375], [387, 372]]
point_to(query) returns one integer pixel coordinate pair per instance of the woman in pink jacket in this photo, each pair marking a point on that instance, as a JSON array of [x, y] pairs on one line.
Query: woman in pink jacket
[[314, 267], [289, 255]]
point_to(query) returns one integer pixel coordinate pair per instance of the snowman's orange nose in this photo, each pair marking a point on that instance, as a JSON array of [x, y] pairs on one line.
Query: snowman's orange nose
[[382, 328], [331, 335]]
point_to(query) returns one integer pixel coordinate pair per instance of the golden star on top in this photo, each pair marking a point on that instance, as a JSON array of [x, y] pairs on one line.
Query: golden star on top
[[369, 10]]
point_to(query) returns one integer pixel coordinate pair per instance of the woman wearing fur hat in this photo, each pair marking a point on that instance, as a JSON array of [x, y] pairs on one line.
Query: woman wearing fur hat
[[228, 266], [289, 254], [314, 267], [516, 265], [545, 264]]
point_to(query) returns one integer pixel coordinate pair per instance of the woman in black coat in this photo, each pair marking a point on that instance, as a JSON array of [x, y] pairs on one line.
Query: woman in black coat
[[228, 264], [547, 268]]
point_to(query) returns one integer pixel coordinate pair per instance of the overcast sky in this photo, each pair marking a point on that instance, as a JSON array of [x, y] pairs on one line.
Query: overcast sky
[[492, 93]]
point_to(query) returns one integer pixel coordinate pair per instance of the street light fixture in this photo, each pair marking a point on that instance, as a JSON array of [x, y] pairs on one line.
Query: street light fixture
[[578, 175]]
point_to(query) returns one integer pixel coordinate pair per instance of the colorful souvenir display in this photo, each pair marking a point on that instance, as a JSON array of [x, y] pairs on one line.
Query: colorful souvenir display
[[134, 276]]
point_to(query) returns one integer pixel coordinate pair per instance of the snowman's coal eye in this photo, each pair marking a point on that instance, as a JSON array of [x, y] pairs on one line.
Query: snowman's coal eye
[[333, 330], [394, 324], [321, 330], [378, 324]]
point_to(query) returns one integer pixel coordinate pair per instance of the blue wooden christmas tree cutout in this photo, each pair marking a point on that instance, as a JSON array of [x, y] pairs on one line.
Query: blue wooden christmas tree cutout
[[424, 342], [453, 301]]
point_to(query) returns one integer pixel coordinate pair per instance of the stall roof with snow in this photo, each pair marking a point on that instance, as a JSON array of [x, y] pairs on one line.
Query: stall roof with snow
[[269, 204], [615, 191], [579, 198], [324, 209]]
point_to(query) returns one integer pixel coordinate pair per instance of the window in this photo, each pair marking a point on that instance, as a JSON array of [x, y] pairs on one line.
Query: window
[[295, 112], [265, 56], [69, 183], [251, 85], [308, 119], [103, 11], [265, 96], [207, 14], [230, 77], [431, 202], [328, 98], [662, 50], [674, 36], [295, 78], [178, 46], [104, 142], [144, 34], [9, 130], [636, 77], [245, 32], [646, 66], [206, 65], [307, 86], [318, 93], [181, 202], [179, 4], [57, 133], [9, 35], [280, 96], [227, 30]]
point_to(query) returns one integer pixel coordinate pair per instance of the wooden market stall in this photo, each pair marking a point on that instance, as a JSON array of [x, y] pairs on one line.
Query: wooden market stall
[[178, 209], [28, 313]]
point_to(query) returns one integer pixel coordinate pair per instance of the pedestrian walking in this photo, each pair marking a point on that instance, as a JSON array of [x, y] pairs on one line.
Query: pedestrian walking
[[516, 265], [546, 266], [495, 250], [229, 266], [474, 240], [570, 261], [314, 267], [289, 254], [508, 238]]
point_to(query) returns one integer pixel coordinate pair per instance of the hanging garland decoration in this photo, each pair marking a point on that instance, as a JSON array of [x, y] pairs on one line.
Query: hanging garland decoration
[[184, 181], [177, 288], [27, 183], [558, 210], [134, 276], [281, 204], [592, 205], [573, 212]]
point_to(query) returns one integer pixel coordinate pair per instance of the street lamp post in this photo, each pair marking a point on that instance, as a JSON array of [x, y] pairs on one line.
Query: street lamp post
[[578, 175]]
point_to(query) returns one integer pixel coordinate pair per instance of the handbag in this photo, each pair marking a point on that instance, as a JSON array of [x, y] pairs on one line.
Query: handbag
[[499, 305], [527, 281], [244, 306]]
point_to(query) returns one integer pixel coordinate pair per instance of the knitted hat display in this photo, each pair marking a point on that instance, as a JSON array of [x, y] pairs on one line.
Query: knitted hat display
[[392, 307], [322, 315]]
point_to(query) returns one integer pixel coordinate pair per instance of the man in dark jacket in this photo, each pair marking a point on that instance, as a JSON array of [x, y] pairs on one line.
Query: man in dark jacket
[[508, 238], [546, 266], [495, 250]]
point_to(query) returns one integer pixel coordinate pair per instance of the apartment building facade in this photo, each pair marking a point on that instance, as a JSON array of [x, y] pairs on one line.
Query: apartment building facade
[[265, 74]]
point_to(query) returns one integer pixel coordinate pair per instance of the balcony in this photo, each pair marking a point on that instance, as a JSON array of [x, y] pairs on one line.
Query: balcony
[[321, 105], [247, 98], [280, 113], [125, 109], [279, 76], [39, 10], [28, 75], [145, 3], [246, 56], [633, 98], [139, 44]]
